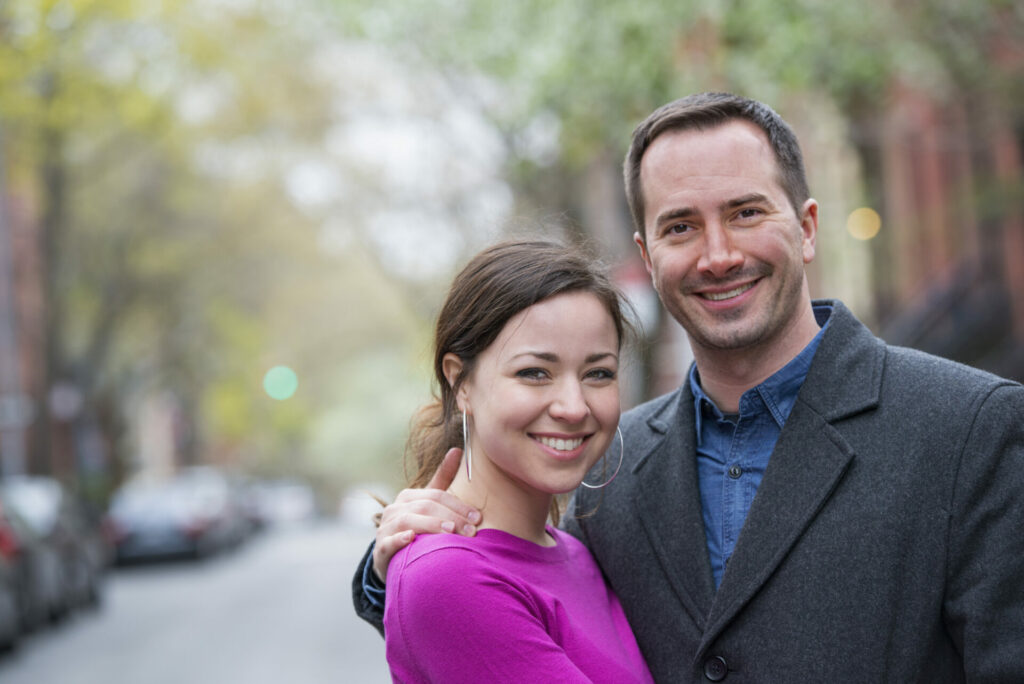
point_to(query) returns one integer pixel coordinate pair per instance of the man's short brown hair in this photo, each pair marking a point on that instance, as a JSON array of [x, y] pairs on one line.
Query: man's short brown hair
[[708, 110]]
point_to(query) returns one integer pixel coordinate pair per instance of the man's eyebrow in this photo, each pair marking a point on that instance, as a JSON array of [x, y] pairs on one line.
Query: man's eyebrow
[[680, 213], [689, 212], [752, 198]]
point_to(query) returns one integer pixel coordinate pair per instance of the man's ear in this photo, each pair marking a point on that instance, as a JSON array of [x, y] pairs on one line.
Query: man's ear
[[451, 364], [643, 253], [809, 229]]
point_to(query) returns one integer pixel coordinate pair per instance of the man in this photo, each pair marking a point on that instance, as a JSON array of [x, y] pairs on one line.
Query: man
[[885, 542]]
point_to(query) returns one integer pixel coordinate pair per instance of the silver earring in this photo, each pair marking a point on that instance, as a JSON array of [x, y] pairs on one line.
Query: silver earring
[[467, 451], [622, 452]]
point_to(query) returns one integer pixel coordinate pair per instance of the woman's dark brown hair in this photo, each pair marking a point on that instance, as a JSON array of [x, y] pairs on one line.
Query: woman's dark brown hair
[[495, 285]]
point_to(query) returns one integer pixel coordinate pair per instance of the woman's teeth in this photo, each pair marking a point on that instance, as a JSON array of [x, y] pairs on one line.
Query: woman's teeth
[[560, 444]]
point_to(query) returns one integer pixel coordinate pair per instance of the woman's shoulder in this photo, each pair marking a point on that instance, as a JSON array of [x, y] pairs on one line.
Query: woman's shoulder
[[438, 551], [446, 575], [442, 563]]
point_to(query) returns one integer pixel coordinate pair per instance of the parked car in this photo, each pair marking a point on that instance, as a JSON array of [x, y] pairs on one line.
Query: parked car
[[286, 502], [192, 514], [37, 569], [10, 614], [62, 522]]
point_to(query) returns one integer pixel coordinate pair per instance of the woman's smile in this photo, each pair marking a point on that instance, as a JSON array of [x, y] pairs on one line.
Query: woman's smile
[[562, 447]]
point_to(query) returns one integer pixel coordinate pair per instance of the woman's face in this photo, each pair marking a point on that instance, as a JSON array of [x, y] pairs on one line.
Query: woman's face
[[543, 399]]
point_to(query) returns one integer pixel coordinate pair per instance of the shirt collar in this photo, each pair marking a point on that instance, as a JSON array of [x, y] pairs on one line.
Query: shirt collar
[[778, 393]]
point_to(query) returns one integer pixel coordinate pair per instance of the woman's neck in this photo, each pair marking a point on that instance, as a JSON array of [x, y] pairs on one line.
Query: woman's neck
[[506, 508]]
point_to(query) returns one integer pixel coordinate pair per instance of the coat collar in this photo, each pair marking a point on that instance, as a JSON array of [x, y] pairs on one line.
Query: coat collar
[[848, 352]]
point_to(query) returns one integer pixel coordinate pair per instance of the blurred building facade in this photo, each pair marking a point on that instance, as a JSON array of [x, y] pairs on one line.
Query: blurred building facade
[[948, 274]]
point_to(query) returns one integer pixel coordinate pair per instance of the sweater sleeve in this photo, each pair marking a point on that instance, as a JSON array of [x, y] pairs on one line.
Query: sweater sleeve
[[453, 617]]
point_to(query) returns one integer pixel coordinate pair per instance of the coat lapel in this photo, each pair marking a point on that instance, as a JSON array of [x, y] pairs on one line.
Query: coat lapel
[[668, 505], [807, 464]]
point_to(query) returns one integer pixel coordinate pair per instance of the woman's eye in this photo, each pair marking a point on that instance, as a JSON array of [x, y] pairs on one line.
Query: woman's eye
[[601, 374], [532, 373]]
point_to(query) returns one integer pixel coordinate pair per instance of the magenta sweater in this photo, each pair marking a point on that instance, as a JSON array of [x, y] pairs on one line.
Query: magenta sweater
[[497, 608]]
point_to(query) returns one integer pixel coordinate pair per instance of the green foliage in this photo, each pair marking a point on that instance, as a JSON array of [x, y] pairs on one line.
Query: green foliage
[[179, 261], [600, 65], [154, 140]]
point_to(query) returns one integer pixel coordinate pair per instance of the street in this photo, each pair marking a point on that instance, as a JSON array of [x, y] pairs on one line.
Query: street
[[276, 610]]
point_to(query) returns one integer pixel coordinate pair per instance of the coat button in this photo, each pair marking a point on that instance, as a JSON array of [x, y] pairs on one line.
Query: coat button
[[715, 668]]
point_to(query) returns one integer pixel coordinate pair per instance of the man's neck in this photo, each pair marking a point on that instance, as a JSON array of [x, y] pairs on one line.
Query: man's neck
[[725, 374]]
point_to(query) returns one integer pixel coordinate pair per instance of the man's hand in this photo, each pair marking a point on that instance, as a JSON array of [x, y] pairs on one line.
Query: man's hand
[[422, 511]]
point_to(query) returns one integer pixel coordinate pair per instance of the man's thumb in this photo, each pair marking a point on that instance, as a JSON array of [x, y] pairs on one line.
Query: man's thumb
[[447, 471]]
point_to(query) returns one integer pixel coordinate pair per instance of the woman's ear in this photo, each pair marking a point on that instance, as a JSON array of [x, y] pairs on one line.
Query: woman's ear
[[452, 367]]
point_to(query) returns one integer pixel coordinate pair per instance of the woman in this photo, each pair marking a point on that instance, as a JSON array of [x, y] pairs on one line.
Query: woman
[[526, 357]]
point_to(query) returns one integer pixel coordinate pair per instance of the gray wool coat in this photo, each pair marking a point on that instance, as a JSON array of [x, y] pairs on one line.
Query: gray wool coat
[[885, 543]]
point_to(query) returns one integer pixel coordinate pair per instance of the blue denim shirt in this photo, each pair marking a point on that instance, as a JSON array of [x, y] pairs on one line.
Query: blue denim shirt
[[733, 450]]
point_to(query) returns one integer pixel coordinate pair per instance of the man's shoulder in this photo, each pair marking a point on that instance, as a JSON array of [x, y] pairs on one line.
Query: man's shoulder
[[852, 352], [923, 380], [658, 409], [909, 359]]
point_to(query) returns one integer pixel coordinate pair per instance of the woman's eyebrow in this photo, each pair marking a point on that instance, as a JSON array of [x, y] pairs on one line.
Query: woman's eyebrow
[[551, 357]]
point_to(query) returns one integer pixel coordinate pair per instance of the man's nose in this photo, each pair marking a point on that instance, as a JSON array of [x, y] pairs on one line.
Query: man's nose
[[720, 254]]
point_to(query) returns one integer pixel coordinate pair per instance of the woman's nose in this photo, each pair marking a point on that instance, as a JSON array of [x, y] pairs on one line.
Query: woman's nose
[[569, 404]]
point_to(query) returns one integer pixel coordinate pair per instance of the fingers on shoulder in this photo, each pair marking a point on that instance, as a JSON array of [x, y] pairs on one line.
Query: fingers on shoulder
[[440, 512]]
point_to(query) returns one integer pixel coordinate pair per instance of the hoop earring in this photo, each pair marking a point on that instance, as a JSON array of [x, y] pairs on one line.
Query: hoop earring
[[622, 452], [467, 450]]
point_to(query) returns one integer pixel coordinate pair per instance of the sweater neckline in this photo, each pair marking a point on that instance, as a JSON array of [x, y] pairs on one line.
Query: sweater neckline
[[525, 547]]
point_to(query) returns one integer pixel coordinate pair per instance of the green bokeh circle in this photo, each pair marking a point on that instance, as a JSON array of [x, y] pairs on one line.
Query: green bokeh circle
[[280, 382]]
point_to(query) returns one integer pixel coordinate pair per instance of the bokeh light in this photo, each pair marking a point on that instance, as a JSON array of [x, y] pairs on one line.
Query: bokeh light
[[280, 382], [864, 223]]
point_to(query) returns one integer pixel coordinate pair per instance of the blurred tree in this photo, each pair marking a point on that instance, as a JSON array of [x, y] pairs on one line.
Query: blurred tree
[[217, 188], [565, 82], [155, 141]]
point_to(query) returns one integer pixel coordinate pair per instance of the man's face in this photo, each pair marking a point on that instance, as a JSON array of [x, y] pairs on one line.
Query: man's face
[[724, 247]]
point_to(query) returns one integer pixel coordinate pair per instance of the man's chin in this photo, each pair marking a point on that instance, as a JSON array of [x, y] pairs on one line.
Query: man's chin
[[732, 336]]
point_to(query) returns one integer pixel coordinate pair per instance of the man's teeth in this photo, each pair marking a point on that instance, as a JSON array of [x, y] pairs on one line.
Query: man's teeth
[[560, 444], [719, 296]]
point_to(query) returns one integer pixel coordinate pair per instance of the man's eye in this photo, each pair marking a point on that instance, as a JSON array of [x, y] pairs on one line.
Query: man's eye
[[678, 229], [749, 212]]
